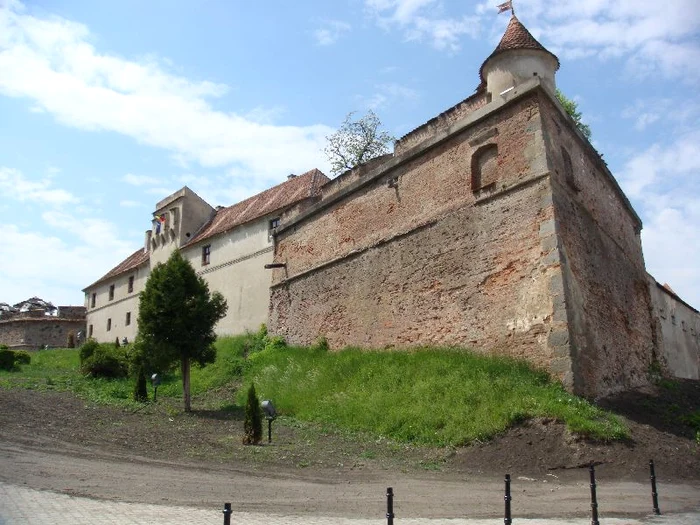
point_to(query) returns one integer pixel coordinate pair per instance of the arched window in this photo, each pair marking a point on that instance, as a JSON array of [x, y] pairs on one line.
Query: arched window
[[484, 167]]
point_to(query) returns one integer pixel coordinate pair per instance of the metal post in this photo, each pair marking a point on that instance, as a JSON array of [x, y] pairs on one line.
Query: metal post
[[269, 430], [594, 499], [155, 394], [390, 506], [654, 494], [507, 519], [227, 514]]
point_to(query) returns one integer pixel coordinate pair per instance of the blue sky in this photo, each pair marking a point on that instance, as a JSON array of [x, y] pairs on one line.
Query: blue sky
[[108, 106]]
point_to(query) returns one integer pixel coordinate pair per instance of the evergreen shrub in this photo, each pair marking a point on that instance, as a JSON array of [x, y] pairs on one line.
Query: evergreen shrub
[[252, 425]]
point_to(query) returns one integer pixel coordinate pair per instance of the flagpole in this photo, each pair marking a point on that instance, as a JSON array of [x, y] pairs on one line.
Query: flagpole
[[512, 9]]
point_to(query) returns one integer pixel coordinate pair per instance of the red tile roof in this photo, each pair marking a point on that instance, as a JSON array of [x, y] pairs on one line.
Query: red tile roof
[[516, 37], [134, 260], [271, 200]]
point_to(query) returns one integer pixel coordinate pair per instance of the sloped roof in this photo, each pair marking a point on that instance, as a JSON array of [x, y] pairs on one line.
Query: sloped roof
[[275, 198], [134, 260], [516, 37]]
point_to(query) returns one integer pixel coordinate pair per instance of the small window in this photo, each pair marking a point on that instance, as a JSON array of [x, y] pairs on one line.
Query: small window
[[90, 331], [127, 321], [131, 283], [93, 300], [272, 224], [568, 169], [111, 292], [206, 254], [484, 168], [109, 324]]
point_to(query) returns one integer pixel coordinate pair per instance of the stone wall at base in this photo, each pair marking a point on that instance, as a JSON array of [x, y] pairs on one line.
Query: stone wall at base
[[36, 333]]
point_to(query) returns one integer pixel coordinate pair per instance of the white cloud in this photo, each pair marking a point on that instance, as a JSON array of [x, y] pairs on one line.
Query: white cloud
[[331, 31], [422, 20], [140, 180], [664, 182], [653, 37], [14, 185], [388, 94], [45, 264], [51, 63]]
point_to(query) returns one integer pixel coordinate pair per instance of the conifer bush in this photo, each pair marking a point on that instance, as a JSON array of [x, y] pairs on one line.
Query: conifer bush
[[70, 342], [252, 425]]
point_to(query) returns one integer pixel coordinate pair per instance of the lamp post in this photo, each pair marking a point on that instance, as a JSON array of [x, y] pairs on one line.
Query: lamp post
[[270, 415], [155, 379]]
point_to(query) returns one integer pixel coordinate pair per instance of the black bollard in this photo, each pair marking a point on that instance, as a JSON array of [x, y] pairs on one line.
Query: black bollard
[[594, 499], [507, 519], [390, 506], [654, 494], [227, 514]]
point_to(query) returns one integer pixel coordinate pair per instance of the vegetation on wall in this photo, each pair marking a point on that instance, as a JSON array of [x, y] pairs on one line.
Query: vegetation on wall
[[571, 109]]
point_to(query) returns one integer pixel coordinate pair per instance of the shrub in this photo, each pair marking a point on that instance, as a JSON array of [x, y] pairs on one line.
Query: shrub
[[7, 359], [70, 342], [11, 359], [87, 350], [252, 425], [141, 386], [106, 361], [116, 342], [22, 357]]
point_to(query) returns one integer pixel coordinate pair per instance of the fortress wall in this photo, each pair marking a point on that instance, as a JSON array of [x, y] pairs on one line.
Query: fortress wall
[[430, 261], [32, 334], [607, 297]]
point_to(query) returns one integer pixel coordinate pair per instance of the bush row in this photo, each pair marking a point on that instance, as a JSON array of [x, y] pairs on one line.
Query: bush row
[[104, 359], [12, 359]]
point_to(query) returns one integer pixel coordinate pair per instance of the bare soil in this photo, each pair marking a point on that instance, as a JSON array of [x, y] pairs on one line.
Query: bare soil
[[157, 454]]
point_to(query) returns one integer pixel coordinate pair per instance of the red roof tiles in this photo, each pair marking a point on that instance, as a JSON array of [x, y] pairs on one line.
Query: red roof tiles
[[516, 37], [134, 260], [271, 200], [276, 198]]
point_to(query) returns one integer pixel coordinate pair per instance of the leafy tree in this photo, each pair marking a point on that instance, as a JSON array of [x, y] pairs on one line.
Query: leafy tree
[[571, 108], [176, 320], [356, 142], [252, 424]]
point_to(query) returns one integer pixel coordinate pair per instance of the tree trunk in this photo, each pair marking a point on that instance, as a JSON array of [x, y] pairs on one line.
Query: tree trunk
[[186, 383]]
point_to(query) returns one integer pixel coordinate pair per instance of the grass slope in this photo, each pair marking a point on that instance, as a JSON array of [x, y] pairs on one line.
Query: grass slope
[[431, 396]]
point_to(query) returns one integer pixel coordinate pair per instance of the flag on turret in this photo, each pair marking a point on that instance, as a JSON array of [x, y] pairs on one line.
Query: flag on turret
[[505, 6]]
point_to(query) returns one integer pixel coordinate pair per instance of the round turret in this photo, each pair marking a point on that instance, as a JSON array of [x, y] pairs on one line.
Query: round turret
[[517, 58]]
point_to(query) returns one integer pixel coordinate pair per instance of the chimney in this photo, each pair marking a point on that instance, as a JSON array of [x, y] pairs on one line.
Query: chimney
[[147, 244], [291, 176]]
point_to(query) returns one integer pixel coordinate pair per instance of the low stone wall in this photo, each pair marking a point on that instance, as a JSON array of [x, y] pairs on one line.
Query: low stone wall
[[31, 333]]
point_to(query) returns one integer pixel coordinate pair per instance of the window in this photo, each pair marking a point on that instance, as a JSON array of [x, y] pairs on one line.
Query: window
[[568, 169], [127, 321], [271, 227], [90, 331], [206, 254], [111, 292], [131, 283], [484, 168], [92, 301], [109, 324]]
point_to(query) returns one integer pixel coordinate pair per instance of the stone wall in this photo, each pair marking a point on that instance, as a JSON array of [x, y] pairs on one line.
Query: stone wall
[[35, 333], [679, 344], [418, 256], [611, 334]]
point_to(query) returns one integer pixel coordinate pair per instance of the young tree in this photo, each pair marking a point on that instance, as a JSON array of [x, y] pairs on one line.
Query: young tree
[[356, 142], [252, 424], [571, 108], [176, 321]]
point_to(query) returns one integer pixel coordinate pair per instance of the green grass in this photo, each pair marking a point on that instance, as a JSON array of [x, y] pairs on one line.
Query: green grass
[[426, 396], [430, 396]]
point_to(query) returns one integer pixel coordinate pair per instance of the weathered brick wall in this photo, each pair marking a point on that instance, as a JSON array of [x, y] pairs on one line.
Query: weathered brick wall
[[31, 334], [607, 297], [442, 121], [428, 262]]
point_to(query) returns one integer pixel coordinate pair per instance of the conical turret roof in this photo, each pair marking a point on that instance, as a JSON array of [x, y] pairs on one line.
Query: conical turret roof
[[516, 37]]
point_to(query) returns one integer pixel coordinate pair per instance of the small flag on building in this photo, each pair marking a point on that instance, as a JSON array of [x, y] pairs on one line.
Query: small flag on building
[[505, 6]]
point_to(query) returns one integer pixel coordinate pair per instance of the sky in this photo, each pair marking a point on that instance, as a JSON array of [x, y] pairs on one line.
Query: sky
[[108, 106]]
